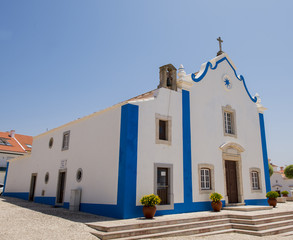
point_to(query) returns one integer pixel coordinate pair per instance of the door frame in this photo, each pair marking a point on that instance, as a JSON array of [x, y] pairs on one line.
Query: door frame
[[34, 187], [170, 193], [232, 152], [58, 189]]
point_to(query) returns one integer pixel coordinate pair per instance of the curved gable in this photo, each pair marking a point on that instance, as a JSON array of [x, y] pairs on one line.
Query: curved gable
[[216, 61]]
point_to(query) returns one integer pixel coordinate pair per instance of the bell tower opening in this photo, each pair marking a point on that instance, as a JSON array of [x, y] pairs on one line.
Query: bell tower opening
[[168, 77]]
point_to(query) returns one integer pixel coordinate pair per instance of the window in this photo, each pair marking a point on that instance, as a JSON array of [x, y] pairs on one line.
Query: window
[[47, 178], [79, 175], [254, 180], [229, 121], [3, 141], [51, 142], [163, 129], [205, 179], [65, 142]]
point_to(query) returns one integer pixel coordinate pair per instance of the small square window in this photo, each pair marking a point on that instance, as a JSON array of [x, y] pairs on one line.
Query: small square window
[[163, 129], [65, 142]]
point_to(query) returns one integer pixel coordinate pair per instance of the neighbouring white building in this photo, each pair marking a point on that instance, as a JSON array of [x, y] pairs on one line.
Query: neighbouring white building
[[280, 183], [12, 145], [193, 135]]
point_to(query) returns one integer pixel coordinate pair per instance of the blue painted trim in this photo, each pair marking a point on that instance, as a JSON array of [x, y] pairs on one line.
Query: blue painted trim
[[21, 195], [101, 209], [264, 152], [126, 196], [209, 65], [66, 205], [263, 202], [186, 133], [111, 210], [45, 200], [5, 178]]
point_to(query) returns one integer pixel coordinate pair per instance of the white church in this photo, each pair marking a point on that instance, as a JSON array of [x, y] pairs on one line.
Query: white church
[[195, 134]]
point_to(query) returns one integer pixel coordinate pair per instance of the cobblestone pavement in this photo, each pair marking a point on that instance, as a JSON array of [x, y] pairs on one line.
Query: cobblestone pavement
[[23, 220]]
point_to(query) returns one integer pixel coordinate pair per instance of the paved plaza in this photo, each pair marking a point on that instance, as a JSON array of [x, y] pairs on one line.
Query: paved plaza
[[21, 219]]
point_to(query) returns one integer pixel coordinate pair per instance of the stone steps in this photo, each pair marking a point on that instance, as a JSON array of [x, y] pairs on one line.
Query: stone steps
[[262, 220], [268, 232], [260, 227], [167, 230], [173, 233], [252, 224], [151, 223]]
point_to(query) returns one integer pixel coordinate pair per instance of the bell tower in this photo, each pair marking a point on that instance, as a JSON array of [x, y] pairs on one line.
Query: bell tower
[[168, 77]]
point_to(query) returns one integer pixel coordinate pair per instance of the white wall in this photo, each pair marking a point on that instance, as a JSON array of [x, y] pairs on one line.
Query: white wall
[[93, 146], [5, 156], [167, 103], [207, 99]]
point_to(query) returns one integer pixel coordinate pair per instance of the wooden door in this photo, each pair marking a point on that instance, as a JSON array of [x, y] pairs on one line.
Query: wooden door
[[163, 185], [32, 187], [61, 187], [231, 181]]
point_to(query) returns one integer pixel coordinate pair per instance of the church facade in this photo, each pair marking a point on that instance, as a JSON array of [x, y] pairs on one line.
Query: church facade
[[195, 134]]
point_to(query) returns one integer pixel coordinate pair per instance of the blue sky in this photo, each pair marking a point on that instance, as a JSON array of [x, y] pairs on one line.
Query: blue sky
[[64, 59]]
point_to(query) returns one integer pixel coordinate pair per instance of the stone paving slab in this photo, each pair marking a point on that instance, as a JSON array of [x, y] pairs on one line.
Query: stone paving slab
[[20, 219]]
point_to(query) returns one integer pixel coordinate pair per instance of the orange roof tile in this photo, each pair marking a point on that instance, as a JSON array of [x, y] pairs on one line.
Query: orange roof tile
[[16, 144]]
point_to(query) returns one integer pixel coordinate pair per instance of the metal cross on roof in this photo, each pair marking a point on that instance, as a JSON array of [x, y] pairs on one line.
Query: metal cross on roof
[[220, 45]]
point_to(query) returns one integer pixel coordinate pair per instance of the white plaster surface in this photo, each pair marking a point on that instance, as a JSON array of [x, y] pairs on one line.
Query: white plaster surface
[[93, 146]]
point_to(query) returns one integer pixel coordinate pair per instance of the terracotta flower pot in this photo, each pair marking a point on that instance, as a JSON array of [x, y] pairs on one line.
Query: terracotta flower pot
[[272, 202], [217, 206], [149, 212]]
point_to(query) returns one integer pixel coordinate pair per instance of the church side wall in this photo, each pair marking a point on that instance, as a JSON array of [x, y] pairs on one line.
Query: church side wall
[[168, 103], [93, 147]]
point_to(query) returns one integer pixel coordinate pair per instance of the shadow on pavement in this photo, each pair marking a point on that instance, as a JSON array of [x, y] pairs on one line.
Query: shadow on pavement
[[57, 212]]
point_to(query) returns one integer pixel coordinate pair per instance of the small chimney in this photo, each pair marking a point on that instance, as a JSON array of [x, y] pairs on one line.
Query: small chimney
[[12, 133], [281, 168]]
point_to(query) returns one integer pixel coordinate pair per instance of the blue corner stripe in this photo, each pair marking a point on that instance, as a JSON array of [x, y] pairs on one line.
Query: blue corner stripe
[[187, 172], [264, 152], [5, 178], [126, 199], [209, 65]]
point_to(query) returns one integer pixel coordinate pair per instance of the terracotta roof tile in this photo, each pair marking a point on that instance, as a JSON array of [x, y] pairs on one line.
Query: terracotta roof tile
[[14, 143]]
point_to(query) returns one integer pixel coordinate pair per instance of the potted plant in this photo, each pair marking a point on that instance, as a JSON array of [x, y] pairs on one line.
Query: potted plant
[[272, 198], [149, 203], [285, 193], [216, 201]]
